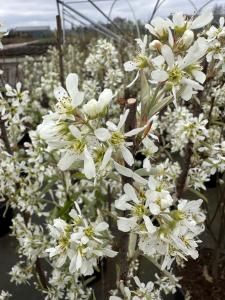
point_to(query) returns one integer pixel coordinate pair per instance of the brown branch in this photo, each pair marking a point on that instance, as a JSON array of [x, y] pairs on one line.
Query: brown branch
[[181, 181], [130, 124]]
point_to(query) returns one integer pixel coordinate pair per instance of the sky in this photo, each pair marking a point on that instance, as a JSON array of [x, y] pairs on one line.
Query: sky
[[42, 12]]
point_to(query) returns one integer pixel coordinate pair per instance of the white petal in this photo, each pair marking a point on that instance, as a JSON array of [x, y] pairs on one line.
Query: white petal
[[18, 86], [105, 98], [123, 170], [106, 158], [67, 160], [154, 208], [89, 165], [102, 226], [148, 223], [126, 224], [130, 66], [133, 81], [221, 21], [72, 84], [187, 93], [147, 164], [110, 253], [102, 134], [75, 131], [139, 179], [167, 53], [178, 19], [122, 203], [130, 192], [111, 126], [127, 155], [123, 118], [78, 99], [202, 20], [78, 261], [134, 131], [199, 76], [159, 75], [60, 93], [137, 281]]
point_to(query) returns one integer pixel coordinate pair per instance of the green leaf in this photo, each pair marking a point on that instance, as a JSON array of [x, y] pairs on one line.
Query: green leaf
[[160, 105], [143, 172], [199, 194], [145, 97]]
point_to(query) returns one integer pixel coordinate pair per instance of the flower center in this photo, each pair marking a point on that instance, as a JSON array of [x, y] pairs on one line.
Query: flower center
[[117, 138], [64, 242], [64, 106], [79, 145], [139, 210], [175, 75], [99, 154], [89, 232], [141, 61]]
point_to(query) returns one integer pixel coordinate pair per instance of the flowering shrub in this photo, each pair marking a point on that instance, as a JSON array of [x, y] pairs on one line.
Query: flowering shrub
[[101, 173]]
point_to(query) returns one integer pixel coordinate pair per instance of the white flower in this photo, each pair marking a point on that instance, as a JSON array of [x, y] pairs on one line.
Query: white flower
[[95, 108], [54, 131], [158, 199], [140, 62], [116, 139], [149, 149], [78, 151], [59, 231], [180, 23], [159, 27], [179, 73], [139, 211], [81, 242], [67, 102], [216, 33]]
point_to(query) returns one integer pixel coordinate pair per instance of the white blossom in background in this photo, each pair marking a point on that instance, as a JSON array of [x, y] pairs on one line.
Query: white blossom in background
[[143, 291], [5, 295]]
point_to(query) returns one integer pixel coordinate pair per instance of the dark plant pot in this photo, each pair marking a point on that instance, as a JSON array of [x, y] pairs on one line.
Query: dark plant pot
[[5, 219]]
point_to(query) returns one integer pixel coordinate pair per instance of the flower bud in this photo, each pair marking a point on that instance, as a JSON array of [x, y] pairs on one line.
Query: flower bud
[[91, 108], [155, 45], [188, 37]]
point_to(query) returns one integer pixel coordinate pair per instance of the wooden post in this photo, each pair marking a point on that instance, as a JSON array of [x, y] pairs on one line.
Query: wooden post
[[59, 46]]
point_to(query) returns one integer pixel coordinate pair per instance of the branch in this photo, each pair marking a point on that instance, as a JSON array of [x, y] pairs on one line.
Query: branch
[[130, 124], [181, 181]]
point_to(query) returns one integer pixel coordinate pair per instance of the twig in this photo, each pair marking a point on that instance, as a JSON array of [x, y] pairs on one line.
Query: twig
[[181, 181]]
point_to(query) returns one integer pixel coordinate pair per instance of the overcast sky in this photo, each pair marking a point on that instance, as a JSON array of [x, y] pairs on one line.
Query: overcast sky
[[42, 12]]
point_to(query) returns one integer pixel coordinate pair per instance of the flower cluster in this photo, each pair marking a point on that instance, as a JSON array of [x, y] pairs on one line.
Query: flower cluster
[[81, 241], [176, 63], [166, 229]]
